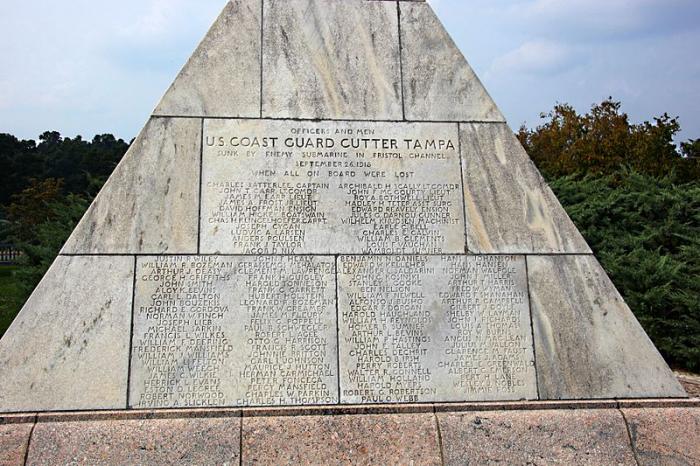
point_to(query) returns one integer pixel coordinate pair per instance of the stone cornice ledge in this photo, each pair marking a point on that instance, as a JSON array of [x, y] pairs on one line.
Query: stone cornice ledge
[[649, 431], [338, 410]]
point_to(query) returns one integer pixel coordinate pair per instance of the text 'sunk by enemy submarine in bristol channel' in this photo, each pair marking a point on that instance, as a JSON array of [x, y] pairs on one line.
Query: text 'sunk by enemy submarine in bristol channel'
[[325, 208]]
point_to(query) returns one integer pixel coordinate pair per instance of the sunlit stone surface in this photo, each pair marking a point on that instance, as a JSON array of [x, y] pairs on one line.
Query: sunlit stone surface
[[326, 208]]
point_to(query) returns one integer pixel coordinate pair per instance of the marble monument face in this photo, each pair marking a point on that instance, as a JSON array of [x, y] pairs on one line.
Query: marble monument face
[[282, 187], [325, 208], [234, 331]]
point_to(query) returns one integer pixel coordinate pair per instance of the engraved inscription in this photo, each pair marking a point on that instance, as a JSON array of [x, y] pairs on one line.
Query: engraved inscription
[[434, 328], [234, 331], [285, 187]]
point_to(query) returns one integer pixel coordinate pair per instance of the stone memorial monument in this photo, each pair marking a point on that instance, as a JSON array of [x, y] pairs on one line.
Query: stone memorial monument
[[325, 208]]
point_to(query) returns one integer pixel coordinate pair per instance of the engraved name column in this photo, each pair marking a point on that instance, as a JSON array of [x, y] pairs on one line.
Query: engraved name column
[[385, 330], [487, 344], [434, 328], [234, 331]]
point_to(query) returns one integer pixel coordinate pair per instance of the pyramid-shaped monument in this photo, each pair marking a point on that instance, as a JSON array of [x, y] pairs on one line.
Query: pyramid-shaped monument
[[326, 207]]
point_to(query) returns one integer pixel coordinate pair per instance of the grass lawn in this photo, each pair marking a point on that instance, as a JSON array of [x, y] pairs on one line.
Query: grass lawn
[[11, 296]]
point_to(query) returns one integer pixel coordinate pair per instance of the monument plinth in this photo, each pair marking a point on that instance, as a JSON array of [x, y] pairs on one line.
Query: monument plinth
[[326, 208]]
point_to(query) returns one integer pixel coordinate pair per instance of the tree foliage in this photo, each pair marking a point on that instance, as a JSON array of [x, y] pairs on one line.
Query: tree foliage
[[46, 190], [691, 149], [635, 196], [31, 207], [39, 251], [603, 141], [646, 232], [65, 159]]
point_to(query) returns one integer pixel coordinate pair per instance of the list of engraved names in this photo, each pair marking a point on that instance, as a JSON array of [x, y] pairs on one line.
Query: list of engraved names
[[234, 331], [333, 270], [426, 328]]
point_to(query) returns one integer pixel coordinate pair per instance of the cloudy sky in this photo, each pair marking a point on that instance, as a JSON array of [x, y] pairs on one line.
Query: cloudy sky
[[87, 67]]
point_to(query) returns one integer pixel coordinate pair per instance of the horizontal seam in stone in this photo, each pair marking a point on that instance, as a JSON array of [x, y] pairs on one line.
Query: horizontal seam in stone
[[340, 409], [335, 120], [329, 254]]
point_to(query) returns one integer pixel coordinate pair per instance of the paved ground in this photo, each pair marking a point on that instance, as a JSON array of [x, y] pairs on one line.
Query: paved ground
[[691, 383], [635, 433]]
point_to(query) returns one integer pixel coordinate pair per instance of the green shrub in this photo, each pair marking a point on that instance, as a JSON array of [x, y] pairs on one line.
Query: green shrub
[[48, 236], [646, 233], [11, 296]]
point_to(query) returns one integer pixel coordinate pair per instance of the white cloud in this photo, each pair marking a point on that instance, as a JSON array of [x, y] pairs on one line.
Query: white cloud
[[154, 20], [605, 19], [534, 53], [535, 57], [86, 66], [157, 20]]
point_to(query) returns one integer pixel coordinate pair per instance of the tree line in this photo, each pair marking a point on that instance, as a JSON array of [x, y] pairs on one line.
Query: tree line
[[633, 193]]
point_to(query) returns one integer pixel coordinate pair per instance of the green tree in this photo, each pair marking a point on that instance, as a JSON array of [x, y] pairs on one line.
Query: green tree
[[691, 149], [32, 207], [646, 232], [73, 160], [603, 141], [50, 234], [40, 238], [19, 162]]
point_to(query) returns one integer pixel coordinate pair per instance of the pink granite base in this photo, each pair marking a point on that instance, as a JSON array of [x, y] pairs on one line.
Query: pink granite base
[[591, 437], [344, 439], [14, 439], [644, 432], [156, 441], [669, 436]]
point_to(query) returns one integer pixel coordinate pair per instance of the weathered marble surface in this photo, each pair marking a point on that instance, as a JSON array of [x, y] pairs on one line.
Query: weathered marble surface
[[427, 328], [668, 436], [68, 348], [373, 439], [587, 341], [414, 323], [438, 82], [157, 441], [222, 77], [331, 59], [509, 207], [319, 197], [150, 203], [234, 331], [588, 437]]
